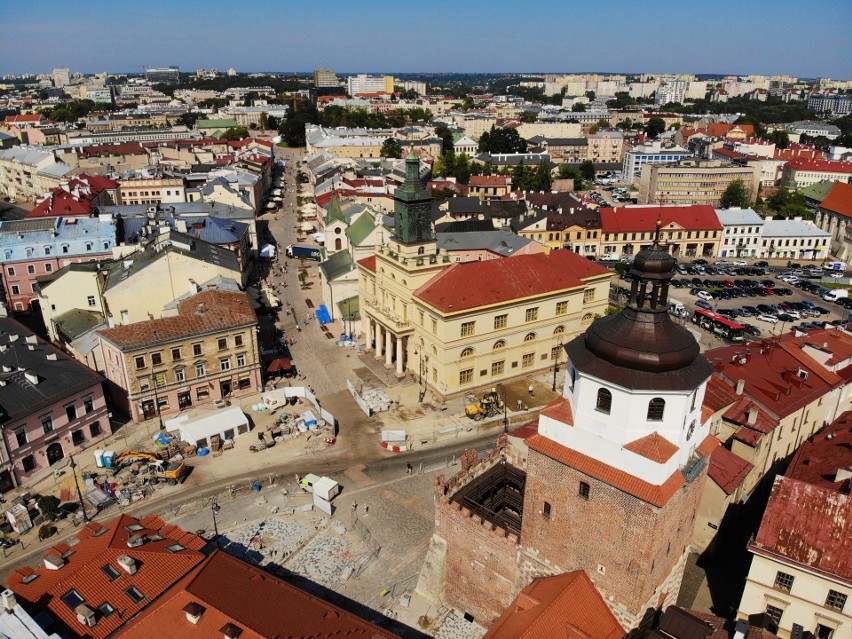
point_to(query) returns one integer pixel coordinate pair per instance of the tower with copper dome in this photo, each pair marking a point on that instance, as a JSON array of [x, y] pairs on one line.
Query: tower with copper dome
[[616, 471]]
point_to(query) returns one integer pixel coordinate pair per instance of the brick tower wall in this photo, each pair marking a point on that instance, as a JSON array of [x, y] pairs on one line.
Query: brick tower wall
[[637, 545]]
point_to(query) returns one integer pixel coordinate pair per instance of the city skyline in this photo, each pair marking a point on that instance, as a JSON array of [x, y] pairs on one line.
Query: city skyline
[[717, 38]]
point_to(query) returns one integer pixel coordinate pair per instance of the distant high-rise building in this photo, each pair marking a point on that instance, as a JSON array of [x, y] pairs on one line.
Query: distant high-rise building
[[169, 74], [363, 83], [232, 72], [61, 77], [325, 78]]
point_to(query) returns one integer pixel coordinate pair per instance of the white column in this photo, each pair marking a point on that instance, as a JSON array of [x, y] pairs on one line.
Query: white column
[[378, 341], [399, 356], [388, 348]]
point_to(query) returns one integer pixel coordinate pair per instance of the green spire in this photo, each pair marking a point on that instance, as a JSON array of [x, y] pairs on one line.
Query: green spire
[[334, 210], [412, 206]]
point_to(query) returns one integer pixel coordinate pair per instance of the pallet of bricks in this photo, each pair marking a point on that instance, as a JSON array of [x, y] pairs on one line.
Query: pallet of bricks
[[180, 448]]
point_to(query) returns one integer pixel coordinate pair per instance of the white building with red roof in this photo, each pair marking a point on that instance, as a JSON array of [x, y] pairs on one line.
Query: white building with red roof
[[803, 172], [834, 215]]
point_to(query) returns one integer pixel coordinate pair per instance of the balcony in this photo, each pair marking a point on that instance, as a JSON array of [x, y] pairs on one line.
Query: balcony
[[387, 315]]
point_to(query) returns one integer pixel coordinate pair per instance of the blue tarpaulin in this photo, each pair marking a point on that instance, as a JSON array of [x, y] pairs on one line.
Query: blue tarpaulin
[[322, 315]]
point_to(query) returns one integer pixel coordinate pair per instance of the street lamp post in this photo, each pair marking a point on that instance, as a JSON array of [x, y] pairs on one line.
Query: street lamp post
[[505, 410], [73, 466], [157, 402], [215, 508]]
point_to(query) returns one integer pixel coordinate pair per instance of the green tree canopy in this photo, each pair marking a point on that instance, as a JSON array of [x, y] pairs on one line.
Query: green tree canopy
[[235, 133], [568, 172], [391, 148], [188, 119], [735, 195], [587, 170], [788, 204], [655, 126], [578, 107], [502, 141], [443, 132], [780, 138], [293, 127]]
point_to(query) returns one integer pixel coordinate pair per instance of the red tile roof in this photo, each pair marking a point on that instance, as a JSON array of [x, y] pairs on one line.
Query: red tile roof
[[564, 606], [527, 430], [654, 447], [807, 526], [157, 570], [23, 119], [206, 311], [720, 130], [839, 199], [75, 199], [644, 218], [727, 469], [719, 394], [230, 591], [560, 410], [822, 455], [467, 285], [656, 495], [824, 166], [369, 263]]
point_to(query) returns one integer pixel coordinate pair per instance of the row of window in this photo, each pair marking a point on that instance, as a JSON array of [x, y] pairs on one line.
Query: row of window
[[679, 235], [31, 269], [468, 329], [78, 438], [177, 352], [583, 491], [161, 378], [835, 600], [500, 344], [47, 420], [64, 249], [498, 368], [656, 407]]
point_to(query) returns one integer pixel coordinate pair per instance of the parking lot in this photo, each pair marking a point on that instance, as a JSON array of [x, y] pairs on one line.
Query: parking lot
[[762, 300]]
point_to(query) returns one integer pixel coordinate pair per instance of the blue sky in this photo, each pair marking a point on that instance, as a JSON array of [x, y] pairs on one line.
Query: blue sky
[[807, 39]]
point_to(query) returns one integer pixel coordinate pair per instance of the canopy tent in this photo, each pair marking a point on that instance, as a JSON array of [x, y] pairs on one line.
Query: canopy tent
[[307, 226], [225, 422], [281, 366], [267, 251]]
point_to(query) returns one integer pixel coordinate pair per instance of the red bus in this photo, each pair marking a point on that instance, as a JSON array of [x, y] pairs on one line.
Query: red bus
[[721, 326]]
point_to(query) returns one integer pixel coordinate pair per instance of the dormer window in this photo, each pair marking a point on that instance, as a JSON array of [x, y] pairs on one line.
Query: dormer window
[[656, 409]]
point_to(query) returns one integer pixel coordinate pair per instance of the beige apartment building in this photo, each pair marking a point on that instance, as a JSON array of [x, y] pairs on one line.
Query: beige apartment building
[[152, 191], [208, 352], [694, 182]]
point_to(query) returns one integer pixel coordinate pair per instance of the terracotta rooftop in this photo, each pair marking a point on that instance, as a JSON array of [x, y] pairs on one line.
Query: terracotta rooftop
[[700, 217], [825, 166], [564, 606], [656, 495], [224, 590], [654, 447], [727, 469], [719, 394], [369, 263], [468, 285], [821, 456], [560, 410], [208, 311], [159, 564], [526, 431], [807, 526]]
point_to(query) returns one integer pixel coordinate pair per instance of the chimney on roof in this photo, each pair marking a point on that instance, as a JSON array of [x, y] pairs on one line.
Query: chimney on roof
[[740, 386], [741, 629], [231, 631], [86, 615], [53, 562], [126, 562], [193, 611], [9, 600], [751, 418]]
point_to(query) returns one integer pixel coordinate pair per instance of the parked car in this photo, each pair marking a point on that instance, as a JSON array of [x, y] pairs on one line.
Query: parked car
[[771, 319], [752, 330], [704, 304], [762, 263]]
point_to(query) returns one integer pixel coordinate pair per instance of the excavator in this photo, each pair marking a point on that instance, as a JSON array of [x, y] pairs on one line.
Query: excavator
[[157, 469], [491, 404]]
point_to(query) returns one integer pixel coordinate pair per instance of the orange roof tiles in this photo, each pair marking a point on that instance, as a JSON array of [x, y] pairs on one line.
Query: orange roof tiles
[[157, 569], [644, 218], [207, 311], [560, 410], [230, 591], [566, 605], [821, 456], [656, 495], [467, 285], [654, 447], [809, 526], [727, 469], [369, 263], [824, 166], [839, 199]]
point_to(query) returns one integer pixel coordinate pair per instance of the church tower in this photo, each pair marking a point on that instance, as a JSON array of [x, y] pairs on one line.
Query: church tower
[[615, 473], [412, 213]]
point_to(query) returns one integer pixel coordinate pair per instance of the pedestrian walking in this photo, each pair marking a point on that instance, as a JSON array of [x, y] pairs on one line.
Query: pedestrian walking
[[354, 506], [520, 405], [408, 468], [366, 509], [531, 391]]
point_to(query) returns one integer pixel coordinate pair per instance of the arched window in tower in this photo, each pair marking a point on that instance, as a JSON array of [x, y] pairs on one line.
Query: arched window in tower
[[421, 250], [499, 344], [690, 430], [529, 337], [656, 408], [468, 352], [604, 401]]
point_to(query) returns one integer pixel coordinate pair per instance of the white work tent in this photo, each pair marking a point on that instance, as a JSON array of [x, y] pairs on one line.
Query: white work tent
[[225, 422]]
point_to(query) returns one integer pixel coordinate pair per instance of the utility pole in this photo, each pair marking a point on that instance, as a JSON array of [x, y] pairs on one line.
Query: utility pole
[[73, 466]]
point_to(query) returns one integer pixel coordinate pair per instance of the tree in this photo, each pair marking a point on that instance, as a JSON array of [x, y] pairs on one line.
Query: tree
[[502, 141], [578, 107], [293, 128], [391, 148], [541, 179], [235, 133], [188, 119], [735, 195], [587, 170], [759, 129], [568, 172], [47, 505], [654, 127], [780, 138], [529, 116], [787, 204], [443, 132]]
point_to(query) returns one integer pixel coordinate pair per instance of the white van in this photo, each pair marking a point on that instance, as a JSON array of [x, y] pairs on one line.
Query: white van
[[610, 257], [836, 294]]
